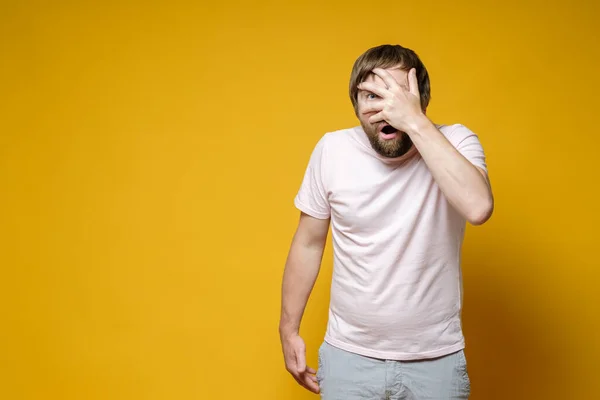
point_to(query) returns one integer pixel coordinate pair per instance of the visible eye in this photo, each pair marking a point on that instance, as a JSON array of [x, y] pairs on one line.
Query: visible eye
[[371, 96]]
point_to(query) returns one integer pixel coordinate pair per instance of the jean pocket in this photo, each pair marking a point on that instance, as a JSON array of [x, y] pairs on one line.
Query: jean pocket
[[462, 359], [462, 373], [320, 362]]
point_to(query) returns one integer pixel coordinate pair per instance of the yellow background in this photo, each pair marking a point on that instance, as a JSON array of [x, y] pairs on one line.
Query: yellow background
[[150, 153]]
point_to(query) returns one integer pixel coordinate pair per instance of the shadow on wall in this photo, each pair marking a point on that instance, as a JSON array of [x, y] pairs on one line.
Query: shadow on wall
[[515, 346]]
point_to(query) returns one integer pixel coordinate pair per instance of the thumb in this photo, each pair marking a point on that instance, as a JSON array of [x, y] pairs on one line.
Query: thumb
[[300, 360], [413, 82]]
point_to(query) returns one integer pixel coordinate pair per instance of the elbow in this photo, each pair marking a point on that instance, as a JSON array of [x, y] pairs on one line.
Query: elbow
[[481, 212]]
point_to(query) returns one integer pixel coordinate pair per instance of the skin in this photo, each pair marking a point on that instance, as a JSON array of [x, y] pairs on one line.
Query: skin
[[301, 271], [388, 96], [367, 107]]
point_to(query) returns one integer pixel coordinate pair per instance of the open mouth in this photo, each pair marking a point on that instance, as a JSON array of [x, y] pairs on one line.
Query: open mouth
[[387, 132], [388, 129]]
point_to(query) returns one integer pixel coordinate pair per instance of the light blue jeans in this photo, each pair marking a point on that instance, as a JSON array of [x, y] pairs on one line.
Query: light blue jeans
[[347, 376]]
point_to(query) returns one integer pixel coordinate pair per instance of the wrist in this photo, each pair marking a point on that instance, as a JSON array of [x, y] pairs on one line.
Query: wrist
[[418, 124], [286, 331]]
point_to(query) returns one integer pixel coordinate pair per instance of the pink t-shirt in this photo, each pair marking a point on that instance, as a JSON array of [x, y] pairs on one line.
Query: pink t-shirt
[[396, 291]]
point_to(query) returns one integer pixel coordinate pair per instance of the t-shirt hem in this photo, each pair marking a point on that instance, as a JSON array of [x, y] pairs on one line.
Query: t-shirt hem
[[390, 355], [302, 207]]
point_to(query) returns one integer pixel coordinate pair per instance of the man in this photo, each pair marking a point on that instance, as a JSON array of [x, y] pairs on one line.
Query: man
[[398, 191]]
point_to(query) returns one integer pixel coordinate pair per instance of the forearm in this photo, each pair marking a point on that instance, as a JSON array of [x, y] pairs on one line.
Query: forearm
[[301, 271], [465, 187]]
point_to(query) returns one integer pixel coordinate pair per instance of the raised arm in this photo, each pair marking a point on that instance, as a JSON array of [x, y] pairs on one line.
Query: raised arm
[[465, 185]]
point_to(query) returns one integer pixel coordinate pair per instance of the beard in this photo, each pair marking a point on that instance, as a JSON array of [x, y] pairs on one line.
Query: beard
[[391, 148]]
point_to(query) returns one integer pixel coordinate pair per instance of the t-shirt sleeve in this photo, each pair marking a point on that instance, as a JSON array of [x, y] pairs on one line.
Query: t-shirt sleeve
[[312, 195], [468, 144]]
